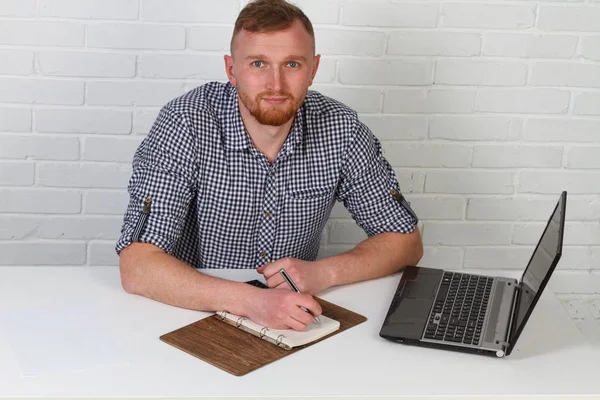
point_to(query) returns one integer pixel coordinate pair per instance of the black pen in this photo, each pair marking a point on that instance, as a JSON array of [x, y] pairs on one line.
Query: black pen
[[291, 283]]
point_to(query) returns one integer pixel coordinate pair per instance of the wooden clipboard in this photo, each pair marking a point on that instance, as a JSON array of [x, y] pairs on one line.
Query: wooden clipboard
[[239, 352]]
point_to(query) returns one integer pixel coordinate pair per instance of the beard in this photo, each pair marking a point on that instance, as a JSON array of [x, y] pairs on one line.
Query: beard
[[268, 114]]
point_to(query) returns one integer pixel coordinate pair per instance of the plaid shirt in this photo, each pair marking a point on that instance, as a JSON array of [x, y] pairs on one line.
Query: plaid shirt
[[203, 193]]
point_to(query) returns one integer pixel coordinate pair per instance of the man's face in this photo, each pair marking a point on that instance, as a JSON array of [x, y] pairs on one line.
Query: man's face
[[272, 72]]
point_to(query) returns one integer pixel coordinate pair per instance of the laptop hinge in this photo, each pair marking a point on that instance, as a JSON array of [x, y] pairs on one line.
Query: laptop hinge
[[506, 343]]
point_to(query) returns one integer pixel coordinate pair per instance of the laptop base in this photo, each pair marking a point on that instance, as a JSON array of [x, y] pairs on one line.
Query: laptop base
[[447, 346], [410, 321]]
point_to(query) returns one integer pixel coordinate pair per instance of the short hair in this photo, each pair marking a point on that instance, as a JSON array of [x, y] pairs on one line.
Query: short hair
[[262, 16]]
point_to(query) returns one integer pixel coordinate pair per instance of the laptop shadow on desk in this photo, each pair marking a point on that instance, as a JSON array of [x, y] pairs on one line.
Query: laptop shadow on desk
[[546, 333]]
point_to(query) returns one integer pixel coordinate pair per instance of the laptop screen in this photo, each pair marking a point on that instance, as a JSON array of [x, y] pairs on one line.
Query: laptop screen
[[542, 263]]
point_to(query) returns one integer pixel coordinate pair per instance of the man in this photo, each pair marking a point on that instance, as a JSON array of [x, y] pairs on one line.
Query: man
[[244, 175]]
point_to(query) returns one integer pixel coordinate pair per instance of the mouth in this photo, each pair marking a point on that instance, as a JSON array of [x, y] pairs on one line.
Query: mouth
[[275, 100]]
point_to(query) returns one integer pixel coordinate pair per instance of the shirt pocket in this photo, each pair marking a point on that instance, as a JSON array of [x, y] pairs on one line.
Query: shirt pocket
[[308, 208]]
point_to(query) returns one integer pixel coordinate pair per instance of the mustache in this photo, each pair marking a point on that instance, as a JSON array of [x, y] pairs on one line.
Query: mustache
[[275, 94]]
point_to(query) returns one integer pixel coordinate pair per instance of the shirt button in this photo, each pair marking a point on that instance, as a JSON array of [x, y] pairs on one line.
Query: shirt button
[[263, 254], [268, 214], [272, 174]]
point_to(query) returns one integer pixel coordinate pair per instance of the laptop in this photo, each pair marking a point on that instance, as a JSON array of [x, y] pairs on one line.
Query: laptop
[[473, 313]]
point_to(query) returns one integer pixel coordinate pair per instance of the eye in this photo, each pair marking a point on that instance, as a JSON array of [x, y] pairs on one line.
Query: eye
[[257, 64], [293, 64]]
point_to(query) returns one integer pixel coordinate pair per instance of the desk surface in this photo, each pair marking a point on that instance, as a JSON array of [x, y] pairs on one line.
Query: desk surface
[[354, 363]]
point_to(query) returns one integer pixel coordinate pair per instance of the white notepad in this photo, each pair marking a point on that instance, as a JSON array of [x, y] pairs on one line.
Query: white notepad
[[285, 338]]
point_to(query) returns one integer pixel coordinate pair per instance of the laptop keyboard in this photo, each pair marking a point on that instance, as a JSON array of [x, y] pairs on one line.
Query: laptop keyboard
[[459, 308]]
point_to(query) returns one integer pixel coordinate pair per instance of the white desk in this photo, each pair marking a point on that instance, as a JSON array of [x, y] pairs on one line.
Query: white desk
[[354, 363]]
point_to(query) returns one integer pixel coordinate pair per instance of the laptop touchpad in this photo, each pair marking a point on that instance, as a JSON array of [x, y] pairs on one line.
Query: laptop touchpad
[[420, 289]]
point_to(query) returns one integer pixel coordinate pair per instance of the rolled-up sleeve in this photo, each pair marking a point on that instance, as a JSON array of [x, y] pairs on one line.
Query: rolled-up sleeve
[[369, 188], [162, 184]]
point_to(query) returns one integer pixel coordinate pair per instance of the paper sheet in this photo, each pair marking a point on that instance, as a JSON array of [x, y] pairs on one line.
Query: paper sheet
[[61, 339]]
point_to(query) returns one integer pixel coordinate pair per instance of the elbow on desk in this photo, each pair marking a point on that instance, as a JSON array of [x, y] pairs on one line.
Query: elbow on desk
[[128, 281], [131, 260], [417, 251]]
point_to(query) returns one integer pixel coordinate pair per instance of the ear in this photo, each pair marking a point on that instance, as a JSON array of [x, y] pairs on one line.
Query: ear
[[229, 70], [315, 68]]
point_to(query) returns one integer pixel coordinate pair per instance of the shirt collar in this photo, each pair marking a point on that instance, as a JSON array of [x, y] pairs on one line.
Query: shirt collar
[[296, 135], [234, 132]]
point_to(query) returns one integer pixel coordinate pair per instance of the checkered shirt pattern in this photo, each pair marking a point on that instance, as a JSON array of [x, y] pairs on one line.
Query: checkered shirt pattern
[[217, 202]]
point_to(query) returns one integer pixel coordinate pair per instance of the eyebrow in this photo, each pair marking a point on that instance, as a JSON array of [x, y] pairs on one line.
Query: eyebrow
[[263, 57]]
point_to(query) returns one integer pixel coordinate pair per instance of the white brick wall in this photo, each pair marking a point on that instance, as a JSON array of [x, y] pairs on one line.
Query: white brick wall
[[486, 111]]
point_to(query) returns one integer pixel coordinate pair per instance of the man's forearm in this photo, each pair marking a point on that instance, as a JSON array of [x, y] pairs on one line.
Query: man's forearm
[[159, 276], [375, 257]]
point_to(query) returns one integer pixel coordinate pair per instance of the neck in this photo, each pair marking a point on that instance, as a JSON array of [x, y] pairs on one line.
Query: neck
[[267, 139]]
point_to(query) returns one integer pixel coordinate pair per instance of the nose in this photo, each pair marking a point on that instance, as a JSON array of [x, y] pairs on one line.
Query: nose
[[275, 80]]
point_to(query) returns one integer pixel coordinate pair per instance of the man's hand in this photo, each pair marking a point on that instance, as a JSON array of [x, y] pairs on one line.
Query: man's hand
[[310, 277], [280, 309]]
